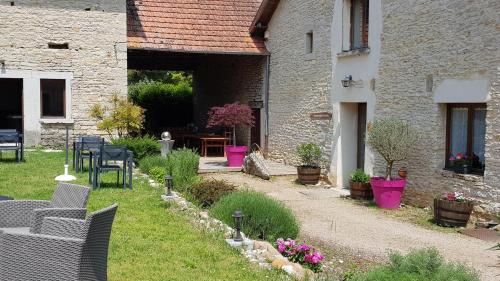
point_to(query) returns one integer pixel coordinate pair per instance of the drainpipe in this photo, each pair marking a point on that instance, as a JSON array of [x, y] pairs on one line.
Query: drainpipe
[[266, 104]]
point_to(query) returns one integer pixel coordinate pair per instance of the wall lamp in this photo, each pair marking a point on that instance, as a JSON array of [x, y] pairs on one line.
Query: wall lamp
[[347, 81], [2, 63]]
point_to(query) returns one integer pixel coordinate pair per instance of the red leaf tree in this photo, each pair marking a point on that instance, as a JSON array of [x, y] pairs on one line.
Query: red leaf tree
[[230, 115]]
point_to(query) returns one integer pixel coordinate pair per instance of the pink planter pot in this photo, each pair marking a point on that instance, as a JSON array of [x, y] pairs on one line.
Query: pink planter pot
[[235, 155], [387, 194]]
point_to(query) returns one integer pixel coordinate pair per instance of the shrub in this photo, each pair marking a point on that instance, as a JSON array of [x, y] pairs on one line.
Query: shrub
[[124, 117], [182, 164], [300, 253], [158, 174], [419, 265], [360, 176], [166, 104], [149, 162], [140, 146], [310, 154], [393, 139], [210, 191], [265, 218], [230, 115]]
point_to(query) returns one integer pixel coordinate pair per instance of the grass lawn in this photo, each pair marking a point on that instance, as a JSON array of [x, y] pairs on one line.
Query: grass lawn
[[148, 242]]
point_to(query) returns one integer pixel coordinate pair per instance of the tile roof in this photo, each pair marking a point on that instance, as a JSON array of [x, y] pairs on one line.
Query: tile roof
[[206, 26]]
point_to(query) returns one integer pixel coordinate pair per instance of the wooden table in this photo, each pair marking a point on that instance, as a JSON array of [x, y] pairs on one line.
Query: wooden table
[[215, 141]]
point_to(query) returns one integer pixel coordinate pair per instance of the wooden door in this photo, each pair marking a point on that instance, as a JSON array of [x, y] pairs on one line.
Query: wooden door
[[255, 131], [361, 135]]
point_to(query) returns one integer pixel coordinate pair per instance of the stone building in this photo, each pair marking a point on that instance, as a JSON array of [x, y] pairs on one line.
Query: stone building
[[57, 59], [432, 63]]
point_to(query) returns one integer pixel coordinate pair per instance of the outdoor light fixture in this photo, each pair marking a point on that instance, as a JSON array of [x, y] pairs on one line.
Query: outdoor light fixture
[[2, 63], [238, 217], [347, 81], [169, 185]]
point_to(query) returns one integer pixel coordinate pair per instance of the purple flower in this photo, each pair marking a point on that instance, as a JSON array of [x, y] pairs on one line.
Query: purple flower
[[452, 158], [281, 248], [304, 248]]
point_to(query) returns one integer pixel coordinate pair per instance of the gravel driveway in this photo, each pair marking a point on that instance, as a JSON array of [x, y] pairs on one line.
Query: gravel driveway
[[326, 217]]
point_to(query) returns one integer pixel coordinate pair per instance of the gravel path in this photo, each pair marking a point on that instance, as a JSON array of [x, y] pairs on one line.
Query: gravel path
[[326, 217]]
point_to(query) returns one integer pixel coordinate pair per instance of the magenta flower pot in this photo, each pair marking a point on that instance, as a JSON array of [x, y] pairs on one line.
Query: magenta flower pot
[[235, 155], [387, 194]]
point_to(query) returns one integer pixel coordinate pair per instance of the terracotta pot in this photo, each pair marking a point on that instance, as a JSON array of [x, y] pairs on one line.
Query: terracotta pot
[[452, 213], [387, 194], [360, 190], [403, 172], [308, 175]]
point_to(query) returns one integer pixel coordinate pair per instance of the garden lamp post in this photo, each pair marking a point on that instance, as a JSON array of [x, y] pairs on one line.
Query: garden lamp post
[[66, 176], [238, 217], [169, 185]]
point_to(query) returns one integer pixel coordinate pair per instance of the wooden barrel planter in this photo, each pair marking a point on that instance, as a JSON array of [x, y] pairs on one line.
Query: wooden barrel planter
[[452, 213], [308, 175], [360, 190]]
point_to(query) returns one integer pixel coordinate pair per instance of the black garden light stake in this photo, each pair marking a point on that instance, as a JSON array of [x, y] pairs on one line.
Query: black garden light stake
[[238, 217], [169, 185]]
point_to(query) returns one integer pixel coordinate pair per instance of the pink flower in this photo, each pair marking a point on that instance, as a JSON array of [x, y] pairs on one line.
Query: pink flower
[[450, 196], [452, 158], [304, 248], [281, 248], [459, 156]]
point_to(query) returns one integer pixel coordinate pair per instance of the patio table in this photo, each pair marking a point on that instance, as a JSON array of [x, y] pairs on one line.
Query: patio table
[[207, 141]]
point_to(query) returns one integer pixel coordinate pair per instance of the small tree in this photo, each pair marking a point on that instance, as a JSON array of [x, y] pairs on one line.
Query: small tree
[[393, 139], [124, 117], [230, 115]]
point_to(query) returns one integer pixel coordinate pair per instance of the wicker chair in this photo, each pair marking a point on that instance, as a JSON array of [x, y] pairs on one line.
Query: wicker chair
[[66, 250], [68, 201]]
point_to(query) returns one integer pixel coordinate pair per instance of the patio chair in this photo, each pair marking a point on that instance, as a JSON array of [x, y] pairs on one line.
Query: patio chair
[[68, 201], [65, 250], [112, 153], [86, 145], [11, 140]]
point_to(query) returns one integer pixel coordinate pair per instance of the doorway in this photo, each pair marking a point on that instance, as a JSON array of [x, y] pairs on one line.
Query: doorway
[[11, 105], [361, 136], [255, 131]]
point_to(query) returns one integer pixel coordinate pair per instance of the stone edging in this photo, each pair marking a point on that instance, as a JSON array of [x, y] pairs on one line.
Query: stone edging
[[261, 253]]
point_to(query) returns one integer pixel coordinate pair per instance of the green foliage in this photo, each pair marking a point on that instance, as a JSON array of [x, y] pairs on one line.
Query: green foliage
[[148, 162], [123, 118], [310, 154], [419, 265], [265, 218], [393, 139], [360, 176], [158, 174], [167, 104], [182, 164], [140, 146], [208, 192]]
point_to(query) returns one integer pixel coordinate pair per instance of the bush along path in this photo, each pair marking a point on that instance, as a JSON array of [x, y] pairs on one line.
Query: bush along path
[[262, 253], [329, 220]]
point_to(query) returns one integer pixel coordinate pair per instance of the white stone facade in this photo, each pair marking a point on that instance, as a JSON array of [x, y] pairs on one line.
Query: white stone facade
[[94, 65], [300, 82], [412, 45]]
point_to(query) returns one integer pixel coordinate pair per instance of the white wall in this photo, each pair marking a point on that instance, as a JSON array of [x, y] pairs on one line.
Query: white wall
[[363, 66]]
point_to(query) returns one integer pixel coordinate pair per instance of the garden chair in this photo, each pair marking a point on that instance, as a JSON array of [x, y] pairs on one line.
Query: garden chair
[[87, 145], [68, 201], [112, 153], [11, 140], [65, 250]]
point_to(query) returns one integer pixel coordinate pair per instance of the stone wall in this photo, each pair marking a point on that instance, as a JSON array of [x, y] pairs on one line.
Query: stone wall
[[226, 79], [300, 83], [95, 31], [443, 40]]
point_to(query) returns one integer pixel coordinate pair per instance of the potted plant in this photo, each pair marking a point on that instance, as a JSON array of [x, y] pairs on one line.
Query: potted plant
[[393, 139], [230, 116], [359, 185], [460, 163], [452, 209], [309, 171]]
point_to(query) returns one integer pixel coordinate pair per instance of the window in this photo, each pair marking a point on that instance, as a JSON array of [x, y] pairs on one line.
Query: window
[[466, 131], [309, 42], [359, 24], [52, 92]]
